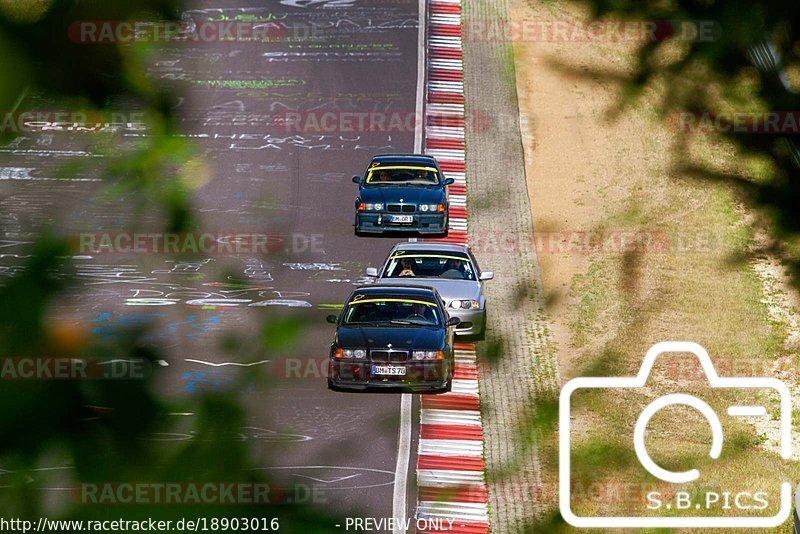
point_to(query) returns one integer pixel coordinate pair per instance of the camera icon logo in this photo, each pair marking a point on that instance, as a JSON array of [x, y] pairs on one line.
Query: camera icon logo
[[750, 384]]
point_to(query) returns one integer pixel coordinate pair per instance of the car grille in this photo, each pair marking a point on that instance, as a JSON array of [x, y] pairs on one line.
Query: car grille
[[388, 356], [398, 208]]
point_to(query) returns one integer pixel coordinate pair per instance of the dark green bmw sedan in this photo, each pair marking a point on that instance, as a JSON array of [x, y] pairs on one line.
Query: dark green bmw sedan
[[402, 193]]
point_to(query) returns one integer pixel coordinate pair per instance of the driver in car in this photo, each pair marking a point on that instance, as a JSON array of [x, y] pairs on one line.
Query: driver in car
[[407, 265], [453, 269], [419, 311]]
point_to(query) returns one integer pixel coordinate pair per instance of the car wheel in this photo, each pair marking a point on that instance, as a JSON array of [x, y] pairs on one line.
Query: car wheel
[[355, 229], [446, 229], [449, 384], [480, 336], [446, 389]]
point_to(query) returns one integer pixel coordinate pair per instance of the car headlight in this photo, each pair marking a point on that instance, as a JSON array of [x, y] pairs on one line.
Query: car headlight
[[464, 304], [374, 206], [351, 353], [428, 355], [429, 207]]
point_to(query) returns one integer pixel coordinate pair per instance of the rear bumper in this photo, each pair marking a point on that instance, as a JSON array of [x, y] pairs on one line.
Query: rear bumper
[[423, 224], [420, 376]]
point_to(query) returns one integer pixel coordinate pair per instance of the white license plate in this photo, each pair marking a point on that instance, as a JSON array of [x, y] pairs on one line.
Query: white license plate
[[401, 218], [390, 370]]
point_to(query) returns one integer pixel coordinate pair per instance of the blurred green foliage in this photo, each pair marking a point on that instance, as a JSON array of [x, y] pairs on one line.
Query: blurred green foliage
[[97, 430]]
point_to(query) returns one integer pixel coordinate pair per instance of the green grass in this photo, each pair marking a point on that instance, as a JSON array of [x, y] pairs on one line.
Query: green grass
[[702, 289]]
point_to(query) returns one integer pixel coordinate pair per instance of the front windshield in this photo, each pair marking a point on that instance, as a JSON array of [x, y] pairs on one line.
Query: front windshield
[[391, 311], [430, 265], [402, 174]]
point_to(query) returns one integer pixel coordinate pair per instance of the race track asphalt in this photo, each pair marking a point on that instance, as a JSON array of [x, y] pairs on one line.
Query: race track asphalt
[[254, 174]]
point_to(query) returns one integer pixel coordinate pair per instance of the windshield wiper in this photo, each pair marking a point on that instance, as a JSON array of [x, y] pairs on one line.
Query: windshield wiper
[[378, 321]]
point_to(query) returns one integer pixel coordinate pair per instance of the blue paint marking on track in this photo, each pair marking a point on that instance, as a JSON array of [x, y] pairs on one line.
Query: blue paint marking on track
[[111, 326], [210, 380]]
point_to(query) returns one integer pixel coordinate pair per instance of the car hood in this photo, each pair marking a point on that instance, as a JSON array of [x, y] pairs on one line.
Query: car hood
[[409, 195], [448, 289], [399, 337]]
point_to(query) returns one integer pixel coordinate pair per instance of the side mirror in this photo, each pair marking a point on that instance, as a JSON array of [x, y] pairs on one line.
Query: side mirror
[[449, 181], [487, 275], [372, 271], [356, 179], [453, 321], [331, 319]]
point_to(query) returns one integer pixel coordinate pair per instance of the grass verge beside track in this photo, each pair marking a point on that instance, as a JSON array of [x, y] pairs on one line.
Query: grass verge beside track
[[517, 368], [597, 182]]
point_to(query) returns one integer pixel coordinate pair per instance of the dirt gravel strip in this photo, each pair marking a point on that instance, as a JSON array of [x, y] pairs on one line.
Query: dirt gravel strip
[[524, 370], [450, 467]]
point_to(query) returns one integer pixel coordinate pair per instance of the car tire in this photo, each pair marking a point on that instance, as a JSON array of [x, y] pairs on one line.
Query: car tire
[[355, 227], [446, 389], [480, 336], [448, 385], [446, 230]]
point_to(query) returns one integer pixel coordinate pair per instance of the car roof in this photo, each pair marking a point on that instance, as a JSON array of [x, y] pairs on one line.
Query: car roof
[[437, 247], [392, 289], [404, 158]]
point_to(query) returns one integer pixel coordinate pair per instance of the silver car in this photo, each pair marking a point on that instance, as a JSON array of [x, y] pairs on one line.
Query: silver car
[[449, 268]]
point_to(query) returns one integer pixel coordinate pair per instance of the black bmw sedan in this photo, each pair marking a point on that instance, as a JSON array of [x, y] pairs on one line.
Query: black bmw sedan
[[393, 337]]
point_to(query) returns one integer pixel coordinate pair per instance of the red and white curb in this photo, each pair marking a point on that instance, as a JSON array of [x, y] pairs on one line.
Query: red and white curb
[[451, 481], [450, 466]]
